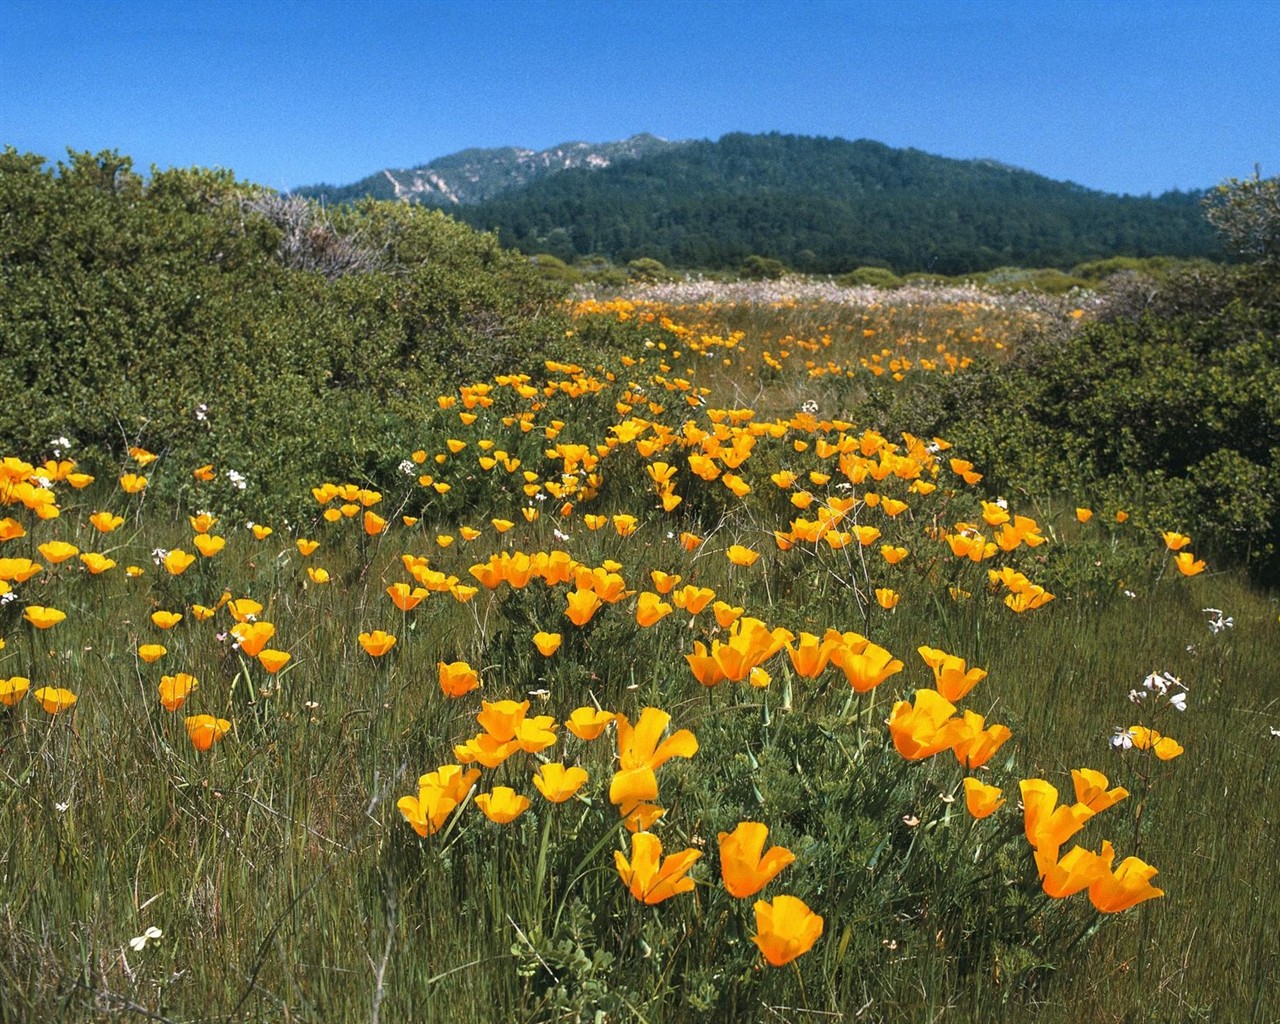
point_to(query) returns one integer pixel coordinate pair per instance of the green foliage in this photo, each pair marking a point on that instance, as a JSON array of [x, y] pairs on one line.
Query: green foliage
[[195, 313], [648, 271], [1173, 413], [809, 201], [1247, 214], [762, 268], [876, 277], [1016, 279]]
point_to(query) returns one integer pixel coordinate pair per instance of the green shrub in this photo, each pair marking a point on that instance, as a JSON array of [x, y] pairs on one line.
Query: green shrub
[[876, 277], [196, 313]]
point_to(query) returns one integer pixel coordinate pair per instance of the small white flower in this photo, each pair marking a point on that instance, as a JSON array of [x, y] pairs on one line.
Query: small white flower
[[159, 555], [152, 934], [42, 481], [1179, 701], [237, 480], [1130, 594], [12, 595], [560, 535], [1135, 696], [202, 412], [1217, 621], [61, 808], [1275, 732], [407, 467], [1121, 739], [1003, 503]]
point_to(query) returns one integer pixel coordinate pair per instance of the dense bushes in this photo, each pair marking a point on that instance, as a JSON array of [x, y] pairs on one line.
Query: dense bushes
[[1169, 407], [197, 313]]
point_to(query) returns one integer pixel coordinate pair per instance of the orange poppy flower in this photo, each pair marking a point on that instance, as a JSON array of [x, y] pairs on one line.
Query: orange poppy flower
[[650, 877], [273, 661], [744, 866], [785, 929], [547, 643], [558, 783], [175, 689], [377, 643], [457, 678], [206, 730]]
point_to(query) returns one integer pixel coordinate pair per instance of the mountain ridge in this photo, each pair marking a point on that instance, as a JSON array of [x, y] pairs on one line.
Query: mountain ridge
[[475, 174], [819, 205]]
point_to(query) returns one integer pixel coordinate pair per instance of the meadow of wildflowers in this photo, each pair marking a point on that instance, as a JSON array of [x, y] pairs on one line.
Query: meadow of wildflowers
[[662, 688]]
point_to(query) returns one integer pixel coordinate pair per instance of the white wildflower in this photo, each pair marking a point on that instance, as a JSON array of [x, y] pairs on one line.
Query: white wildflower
[[1121, 738], [1217, 620], [407, 467], [152, 934], [159, 555], [237, 480]]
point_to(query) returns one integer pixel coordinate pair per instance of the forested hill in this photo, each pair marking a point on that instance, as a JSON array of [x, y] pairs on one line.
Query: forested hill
[[828, 205]]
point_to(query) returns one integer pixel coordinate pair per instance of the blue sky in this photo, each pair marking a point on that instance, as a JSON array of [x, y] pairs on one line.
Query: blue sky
[[1137, 96]]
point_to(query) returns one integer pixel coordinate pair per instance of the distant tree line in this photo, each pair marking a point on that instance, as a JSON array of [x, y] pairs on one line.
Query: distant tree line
[[829, 206]]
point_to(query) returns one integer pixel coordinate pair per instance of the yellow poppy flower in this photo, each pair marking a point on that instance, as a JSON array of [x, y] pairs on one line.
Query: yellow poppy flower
[[377, 643], [13, 689], [175, 689], [558, 783], [502, 805], [208, 544], [740, 555], [547, 643], [588, 723], [97, 563], [785, 929], [55, 700], [41, 617], [57, 551], [178, 561], [105, 522], [150, 653]]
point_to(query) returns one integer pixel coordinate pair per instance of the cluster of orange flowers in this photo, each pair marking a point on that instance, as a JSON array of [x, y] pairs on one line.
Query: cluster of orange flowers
[[837, 493]]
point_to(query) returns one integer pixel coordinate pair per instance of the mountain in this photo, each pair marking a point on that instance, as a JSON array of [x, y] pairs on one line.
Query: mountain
[[820, 205], [475, 175]]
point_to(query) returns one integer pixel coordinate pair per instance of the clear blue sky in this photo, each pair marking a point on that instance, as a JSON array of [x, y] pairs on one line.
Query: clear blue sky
[[1129, 96]]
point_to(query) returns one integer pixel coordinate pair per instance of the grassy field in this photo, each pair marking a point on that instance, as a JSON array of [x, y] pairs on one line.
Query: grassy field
[[277, 874]]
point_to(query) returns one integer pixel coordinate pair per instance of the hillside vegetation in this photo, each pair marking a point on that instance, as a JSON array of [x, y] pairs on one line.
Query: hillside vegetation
[[829, 206]]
